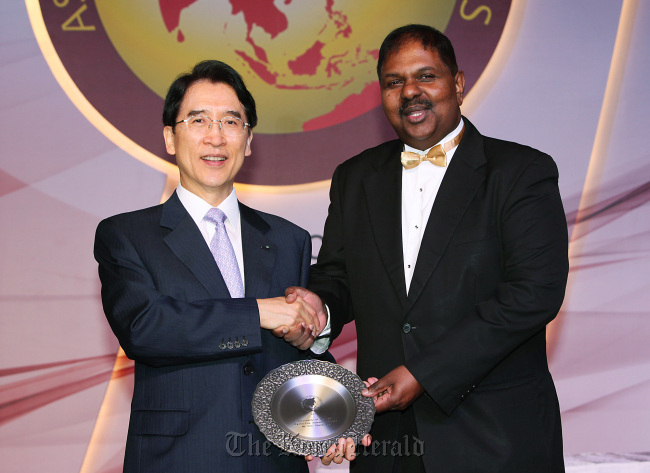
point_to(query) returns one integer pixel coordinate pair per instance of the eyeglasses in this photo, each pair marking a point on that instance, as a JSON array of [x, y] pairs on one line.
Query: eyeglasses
[[229, 126]]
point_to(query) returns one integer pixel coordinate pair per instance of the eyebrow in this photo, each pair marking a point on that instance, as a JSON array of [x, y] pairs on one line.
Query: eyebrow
[[192, 113], [418, 71], [227, 113]]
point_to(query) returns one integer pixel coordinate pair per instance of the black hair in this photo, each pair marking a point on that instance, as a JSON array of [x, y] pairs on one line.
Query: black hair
[[428, 36], [215, 72]]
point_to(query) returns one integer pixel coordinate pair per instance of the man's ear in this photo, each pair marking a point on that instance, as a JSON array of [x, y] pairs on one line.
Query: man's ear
[[459, 80], [247, 152], [169, 135]]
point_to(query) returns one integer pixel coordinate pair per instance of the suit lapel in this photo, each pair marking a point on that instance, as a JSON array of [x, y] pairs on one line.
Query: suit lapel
[[383, 190], [463, 178], [259, 252], [187, 243]]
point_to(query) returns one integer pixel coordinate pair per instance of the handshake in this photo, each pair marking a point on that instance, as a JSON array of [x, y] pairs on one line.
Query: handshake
[[298, 318]]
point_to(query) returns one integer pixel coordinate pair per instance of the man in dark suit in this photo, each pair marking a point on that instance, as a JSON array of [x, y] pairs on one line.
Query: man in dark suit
[[199, 330], [451, 268]]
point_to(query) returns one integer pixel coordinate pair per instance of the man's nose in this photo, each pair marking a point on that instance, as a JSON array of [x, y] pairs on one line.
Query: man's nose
[[214, 136], [411, 89]]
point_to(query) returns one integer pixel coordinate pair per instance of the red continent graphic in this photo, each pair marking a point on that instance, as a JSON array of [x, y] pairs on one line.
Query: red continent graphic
[[262, 13], [308, 62], [171, 11], [259, 68], [346, 110]]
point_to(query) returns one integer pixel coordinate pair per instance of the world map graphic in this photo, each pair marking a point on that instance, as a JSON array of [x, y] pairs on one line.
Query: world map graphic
[[315, 65]]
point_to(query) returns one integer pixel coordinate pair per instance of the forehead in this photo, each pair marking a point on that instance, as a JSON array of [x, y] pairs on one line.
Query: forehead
[[411, 55], [215, 97]]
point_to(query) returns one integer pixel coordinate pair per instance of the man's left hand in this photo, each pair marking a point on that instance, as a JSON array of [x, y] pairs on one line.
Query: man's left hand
[[395, 391]]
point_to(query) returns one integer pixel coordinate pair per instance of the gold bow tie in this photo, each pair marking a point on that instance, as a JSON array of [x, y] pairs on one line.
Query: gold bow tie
[[436, 155]]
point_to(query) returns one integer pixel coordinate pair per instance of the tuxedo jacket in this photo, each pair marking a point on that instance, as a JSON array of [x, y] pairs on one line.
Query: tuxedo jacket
[[490, 274], [198, 353]]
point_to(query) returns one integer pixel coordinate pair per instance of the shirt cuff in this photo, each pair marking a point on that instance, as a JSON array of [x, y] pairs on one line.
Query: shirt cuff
[[323, 341]]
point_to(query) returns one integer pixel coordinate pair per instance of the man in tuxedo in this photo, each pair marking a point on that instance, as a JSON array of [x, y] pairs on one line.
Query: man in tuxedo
[[451, 266], [193, 287]]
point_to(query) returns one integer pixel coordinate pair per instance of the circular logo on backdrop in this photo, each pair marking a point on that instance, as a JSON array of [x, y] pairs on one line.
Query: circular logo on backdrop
[[310, 64]]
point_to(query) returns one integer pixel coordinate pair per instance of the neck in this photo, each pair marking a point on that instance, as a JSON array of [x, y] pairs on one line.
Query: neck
[[446, 144], [214, 197]]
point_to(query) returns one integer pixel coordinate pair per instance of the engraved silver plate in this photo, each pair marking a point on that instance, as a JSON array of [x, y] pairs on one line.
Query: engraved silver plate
[[306, 406]]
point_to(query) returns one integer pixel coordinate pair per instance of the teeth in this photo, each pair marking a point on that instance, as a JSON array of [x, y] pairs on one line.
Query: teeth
[[413, 112], [213, 158], [416, 113]]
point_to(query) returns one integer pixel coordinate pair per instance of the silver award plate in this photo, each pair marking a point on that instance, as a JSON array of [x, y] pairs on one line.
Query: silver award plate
[[306, 406]]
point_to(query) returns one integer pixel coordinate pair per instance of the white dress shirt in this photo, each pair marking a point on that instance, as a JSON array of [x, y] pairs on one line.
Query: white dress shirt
[[197, 208], [419, 189]]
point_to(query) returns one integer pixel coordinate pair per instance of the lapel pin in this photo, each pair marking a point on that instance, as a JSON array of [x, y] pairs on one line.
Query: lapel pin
[[266, 247]]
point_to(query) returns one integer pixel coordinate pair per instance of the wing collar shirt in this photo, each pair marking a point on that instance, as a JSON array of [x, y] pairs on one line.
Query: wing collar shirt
[[419, 189], [197, 208]]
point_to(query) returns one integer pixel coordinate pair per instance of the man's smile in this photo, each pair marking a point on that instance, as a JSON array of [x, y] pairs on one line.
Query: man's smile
[[415, 110]]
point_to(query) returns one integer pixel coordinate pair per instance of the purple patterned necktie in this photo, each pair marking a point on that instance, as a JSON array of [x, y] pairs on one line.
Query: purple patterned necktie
[[224, 254]]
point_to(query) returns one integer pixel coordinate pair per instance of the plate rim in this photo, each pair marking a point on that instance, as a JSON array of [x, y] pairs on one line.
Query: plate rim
[[275, 378]]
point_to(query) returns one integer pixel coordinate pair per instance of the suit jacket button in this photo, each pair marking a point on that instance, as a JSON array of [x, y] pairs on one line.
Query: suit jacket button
[[406, 328], [248, 369]]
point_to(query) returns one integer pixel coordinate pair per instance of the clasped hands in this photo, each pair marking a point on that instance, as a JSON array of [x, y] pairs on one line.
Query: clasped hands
[[298, 318]]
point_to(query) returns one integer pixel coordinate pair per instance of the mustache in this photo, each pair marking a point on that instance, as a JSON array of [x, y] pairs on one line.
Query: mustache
[[413, 103]]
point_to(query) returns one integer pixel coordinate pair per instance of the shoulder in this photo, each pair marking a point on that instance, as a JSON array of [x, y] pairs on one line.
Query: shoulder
[[273, 222], [496, 148], [503, 156], [134, 221], [516, 158], [374, 155], [370, 159]]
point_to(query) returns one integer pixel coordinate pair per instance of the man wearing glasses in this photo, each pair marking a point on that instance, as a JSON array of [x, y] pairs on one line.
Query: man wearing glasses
[[193, 287]]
